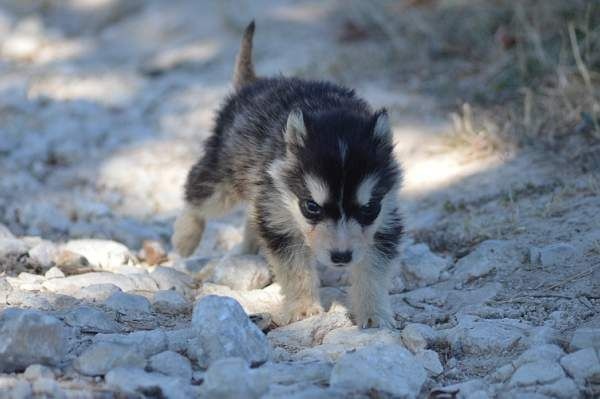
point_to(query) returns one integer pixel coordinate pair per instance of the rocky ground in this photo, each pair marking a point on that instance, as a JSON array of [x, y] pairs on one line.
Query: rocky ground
[[103, 107]]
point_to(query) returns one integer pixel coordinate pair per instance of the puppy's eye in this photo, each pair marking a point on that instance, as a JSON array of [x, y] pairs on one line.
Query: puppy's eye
[[310, 209], [369, 212]]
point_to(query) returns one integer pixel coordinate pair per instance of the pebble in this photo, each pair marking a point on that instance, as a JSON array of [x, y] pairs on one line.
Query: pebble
[[489, 256], [54, 272], [232, 377], [430, 360], [29, 337], [148, 343], [168, 278], [537, 373], [37, 371], [387, 368], [224, 330], [560, 254]]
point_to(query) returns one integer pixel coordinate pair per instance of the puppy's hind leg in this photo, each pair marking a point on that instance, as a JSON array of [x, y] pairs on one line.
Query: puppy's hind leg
[[205, 197]]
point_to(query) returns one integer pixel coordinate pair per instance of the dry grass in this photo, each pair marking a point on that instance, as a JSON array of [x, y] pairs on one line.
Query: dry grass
[[528, 70]]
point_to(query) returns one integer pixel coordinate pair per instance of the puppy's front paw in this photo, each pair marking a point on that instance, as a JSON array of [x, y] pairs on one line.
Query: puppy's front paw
[[297, 311], [375, 320]]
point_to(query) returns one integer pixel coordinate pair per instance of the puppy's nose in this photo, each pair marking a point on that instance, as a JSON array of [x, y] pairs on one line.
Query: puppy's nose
[[341, 256]]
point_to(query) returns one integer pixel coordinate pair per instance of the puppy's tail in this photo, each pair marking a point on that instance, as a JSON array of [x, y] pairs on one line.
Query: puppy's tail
[[244, 68]]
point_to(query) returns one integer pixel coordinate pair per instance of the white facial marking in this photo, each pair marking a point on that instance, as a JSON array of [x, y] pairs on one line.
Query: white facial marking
[[365, 190], [318, 189], [343, 148]]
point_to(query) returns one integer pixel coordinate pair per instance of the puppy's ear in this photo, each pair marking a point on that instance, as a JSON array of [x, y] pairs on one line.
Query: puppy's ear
[[381, 127], [295, 130]]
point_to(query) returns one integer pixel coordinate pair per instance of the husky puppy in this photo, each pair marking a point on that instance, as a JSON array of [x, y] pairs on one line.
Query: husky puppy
[[315, 164]]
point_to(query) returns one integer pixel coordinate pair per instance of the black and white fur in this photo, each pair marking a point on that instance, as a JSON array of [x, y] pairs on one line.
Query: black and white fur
[[316, 166]]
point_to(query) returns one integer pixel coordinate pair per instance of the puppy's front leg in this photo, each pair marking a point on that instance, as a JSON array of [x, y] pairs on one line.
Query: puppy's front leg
[[369, 293], [299, 282]]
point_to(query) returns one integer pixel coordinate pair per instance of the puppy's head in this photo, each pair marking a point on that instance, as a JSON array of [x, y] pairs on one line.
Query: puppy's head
[[339, 181]]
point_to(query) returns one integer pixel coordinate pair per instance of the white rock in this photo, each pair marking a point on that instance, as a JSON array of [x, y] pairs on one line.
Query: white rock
[[148, 343], [125, 303], [430, 361], [47, 387], [91, 320], [233, 378], [170, 302], [306, 391], [96, 292], [308, 332], [387, 368], [267, 300], [550, 353], [5, 232], [30, 337], [224, 330], [168, 278], [102, 357], [73, 284], [465, 389], [172, 364], [420, 267], [475, 336], [37, 371], [582, 364], [241, 272], [536, 373], [413, 339], [12, 246], [44, 253], [560, 254], [488, 256], [54, 272], [104, 254], [137, 381], [586, 337]]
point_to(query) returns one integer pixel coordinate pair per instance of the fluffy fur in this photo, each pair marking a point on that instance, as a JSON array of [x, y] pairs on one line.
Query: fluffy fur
[[316, 165]]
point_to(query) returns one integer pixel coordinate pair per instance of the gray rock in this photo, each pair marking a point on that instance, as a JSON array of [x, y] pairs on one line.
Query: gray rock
[[102, 357], [586, 337], [128, 303], [560, 254], [421, 267], [489, 256], [413, 338], [306, 391], [104, 254], [536, 373], [30, 337], [148, 343], [47, 388], [170, 302], [92, 320], [475, 336], [172, 364], [241, 272], [168, 278], [233, 378], [224, 330], [179, 340], [139, 382], [5, 289], [582, 365], [297, 372], [37, 371], [12, 246], [387, 368]]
